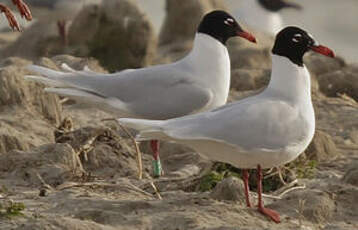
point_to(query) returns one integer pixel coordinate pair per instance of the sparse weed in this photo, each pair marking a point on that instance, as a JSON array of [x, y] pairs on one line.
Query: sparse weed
[[300, 168], [304, 168], [10, 209]]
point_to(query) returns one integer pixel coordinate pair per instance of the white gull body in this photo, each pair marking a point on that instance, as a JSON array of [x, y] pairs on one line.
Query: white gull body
[[270, 129], [257, 17], [198, 82]]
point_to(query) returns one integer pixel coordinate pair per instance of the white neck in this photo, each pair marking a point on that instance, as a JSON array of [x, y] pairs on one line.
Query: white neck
[[206, 45], [209, 57], [289, 80], [209, 64]]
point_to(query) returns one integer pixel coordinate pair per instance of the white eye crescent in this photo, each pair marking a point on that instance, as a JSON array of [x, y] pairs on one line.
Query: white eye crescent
[[297, 38], [229, 21]]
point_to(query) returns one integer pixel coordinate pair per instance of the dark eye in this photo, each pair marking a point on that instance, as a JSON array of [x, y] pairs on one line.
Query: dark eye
[[297, 38], [229, 21]]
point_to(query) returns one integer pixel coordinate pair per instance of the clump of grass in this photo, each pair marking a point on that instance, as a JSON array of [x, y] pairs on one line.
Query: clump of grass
[[300, 168], [9, 209], [210, 180], [217, 174], [304, 168]]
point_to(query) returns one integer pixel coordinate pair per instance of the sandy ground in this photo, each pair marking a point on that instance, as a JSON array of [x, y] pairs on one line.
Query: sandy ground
[[82, 174]]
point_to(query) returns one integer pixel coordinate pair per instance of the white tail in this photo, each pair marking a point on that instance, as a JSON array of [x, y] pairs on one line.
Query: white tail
[[148, 129], [45, 80], [52, 77], [75, 94]]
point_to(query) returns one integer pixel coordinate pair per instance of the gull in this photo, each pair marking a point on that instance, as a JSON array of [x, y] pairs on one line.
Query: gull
[[198, 82], [263, 131], [263, 15]]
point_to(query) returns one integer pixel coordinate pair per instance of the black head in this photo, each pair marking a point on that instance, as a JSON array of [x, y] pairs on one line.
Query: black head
[[222, 26], [276, 5], [293, 42]]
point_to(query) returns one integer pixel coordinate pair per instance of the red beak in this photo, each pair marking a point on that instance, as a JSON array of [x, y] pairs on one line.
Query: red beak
[[247, 36], [323, 50]]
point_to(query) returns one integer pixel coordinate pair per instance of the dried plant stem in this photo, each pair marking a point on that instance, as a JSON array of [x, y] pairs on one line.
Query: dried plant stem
[[283, 191], [78, 161], [280, 175], [292, 189], [156, 191], [68, 185], [139, 154], [301, 208]]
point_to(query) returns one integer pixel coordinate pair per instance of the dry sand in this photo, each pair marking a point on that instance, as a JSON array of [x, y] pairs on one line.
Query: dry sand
[[43, 186]]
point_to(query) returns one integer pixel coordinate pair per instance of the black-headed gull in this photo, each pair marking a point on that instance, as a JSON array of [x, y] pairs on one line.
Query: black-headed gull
[[263, 15], [263, 131], [198, 82]]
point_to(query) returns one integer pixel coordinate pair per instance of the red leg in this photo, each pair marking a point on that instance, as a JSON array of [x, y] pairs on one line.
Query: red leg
[[155, 148], [62, 30], [267, 212], [157, 167], [245, 177]]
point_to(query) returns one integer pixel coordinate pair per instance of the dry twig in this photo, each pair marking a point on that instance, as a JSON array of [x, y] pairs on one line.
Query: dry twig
[[301, 207], [278, 195], [156, 190]]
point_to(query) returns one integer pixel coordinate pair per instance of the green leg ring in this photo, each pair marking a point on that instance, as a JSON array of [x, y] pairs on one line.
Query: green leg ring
[[157, 168]]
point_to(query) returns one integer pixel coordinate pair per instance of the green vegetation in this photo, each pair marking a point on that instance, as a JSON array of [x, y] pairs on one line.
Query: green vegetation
[[9, 209], [302, 168], [218, 173], [210, 180]]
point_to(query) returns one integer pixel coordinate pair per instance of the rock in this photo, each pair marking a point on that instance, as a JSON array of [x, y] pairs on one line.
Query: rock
[[249, 79], [103, 152], [354, 136], [318, 206], [176, 28], [322, 147], [319, 64], [10, 142], [250, 58], [351, 175], [177, 32], [40, 39], [54, 163], [230, 188], [117, 33], [343, 81], [15, 91]]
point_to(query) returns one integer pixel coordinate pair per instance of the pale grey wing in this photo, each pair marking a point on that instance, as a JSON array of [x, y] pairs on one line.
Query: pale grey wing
[[158, 92], [256, 124]]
